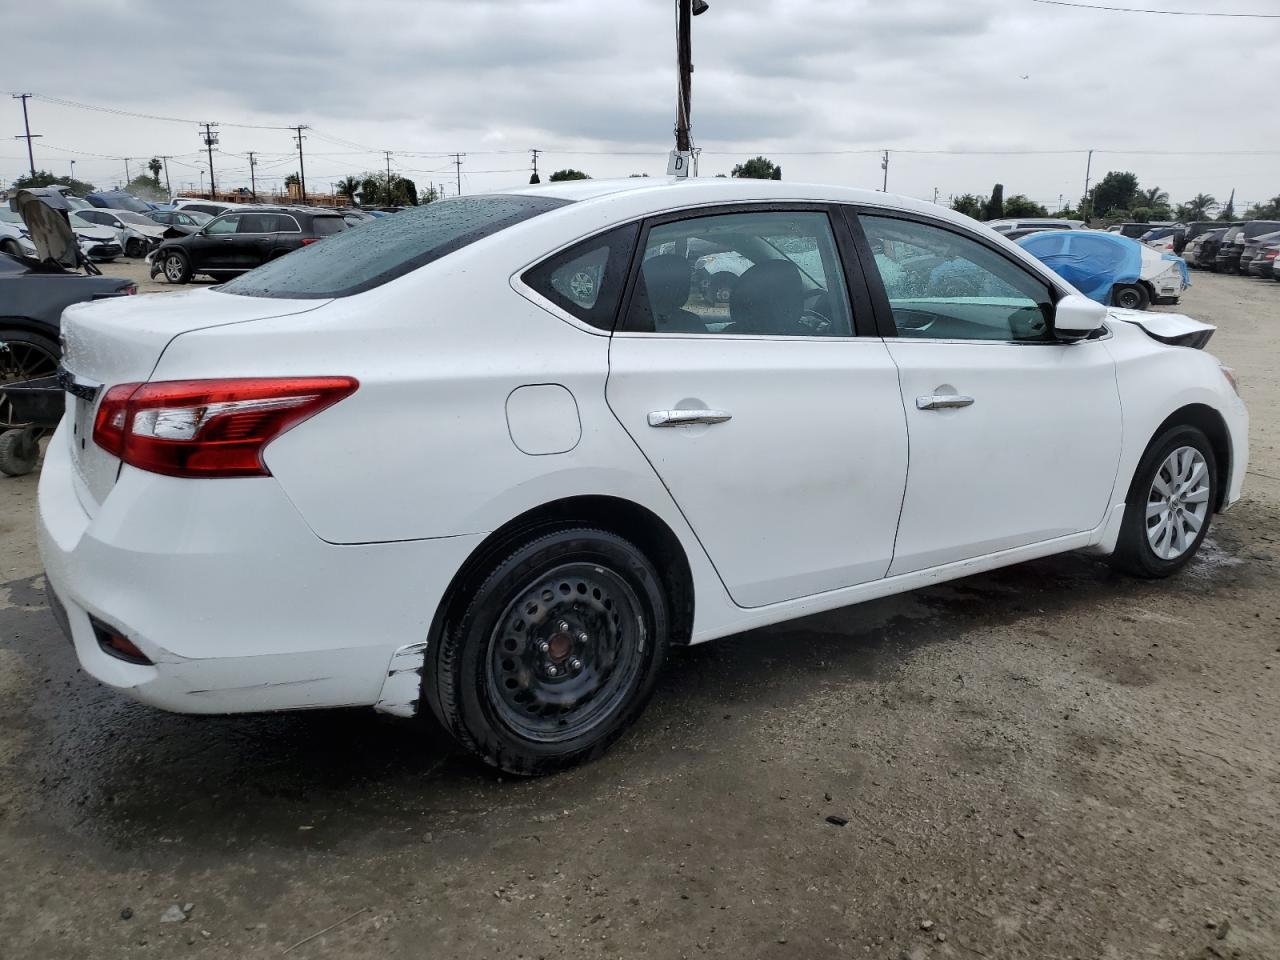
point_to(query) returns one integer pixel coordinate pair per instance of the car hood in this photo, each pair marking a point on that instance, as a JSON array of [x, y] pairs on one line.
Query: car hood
[[44, 212], [1171, 328], [96, 234]]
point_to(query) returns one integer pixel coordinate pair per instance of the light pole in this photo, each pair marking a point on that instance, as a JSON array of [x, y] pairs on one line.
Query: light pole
[[73, 169]]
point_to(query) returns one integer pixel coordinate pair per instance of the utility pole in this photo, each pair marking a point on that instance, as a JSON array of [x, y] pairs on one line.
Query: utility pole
[[388, 155], [935, 195], [253, 182], [73, 169], [686, 10], [165, 160], [457, 164], [302, 173], [26, 125], [1084, 201], [884, 165], [127, 178], [535, 178], [210, 138], [1060, 198]]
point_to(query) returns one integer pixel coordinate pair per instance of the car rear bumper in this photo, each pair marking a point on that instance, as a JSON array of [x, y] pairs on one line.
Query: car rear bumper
[[222, 585]]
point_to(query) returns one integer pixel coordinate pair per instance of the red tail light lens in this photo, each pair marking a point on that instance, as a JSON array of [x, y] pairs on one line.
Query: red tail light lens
[[209, 428], [306, 241]]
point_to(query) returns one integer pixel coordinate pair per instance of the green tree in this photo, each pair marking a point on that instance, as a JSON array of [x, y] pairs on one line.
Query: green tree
[[568, 174], [148, 188], [1021, 206], [292, 180], [155, 166], [349, 187], [1228, 212], [1140, 215], [1264, 211], [43, 178], [1199, 207], [1116, 191], [994, 208], [757, 168], [969, 204], [1155, 197]]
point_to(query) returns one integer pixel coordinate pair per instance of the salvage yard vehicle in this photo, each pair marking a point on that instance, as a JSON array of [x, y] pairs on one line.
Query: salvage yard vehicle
[[15, 239], [192, 219], [1232, 245], [135, 233], [241, 240], [545, 482], [1111, 268], [1255, 248], [1010, 224]]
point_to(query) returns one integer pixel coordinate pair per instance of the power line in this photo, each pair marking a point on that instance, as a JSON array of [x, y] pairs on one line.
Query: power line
[[1165, 13], [59, 101]]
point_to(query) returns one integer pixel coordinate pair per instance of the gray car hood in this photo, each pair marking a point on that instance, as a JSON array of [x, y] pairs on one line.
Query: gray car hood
[[45, 213], [1171, 328]]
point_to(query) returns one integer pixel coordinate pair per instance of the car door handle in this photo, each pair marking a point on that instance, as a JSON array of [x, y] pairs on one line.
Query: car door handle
[[684, 418], [945, 401]]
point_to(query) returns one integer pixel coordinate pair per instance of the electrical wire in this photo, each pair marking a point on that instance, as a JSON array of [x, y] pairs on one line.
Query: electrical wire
[[1165, 13]]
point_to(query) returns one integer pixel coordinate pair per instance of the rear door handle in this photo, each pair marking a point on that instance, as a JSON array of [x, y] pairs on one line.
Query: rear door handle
[[684, 418], [945, 401]]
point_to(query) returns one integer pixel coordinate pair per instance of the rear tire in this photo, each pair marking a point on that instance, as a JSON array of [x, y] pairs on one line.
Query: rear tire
[[11, 248], [1170, 505], [1130, 296], [556, 652], [19, 452], [25, 356]]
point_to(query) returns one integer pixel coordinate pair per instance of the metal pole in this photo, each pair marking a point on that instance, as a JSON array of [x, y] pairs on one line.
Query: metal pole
[[684, 67], [253, 183], [457, 163], [884, 165], [28, 135], [210, 138], [388, 154], [302, 170], [1084, 201]]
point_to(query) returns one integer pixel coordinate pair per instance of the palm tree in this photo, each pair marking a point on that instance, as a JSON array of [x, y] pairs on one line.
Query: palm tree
[[349, 187], [1201, 206], [1155, 197]]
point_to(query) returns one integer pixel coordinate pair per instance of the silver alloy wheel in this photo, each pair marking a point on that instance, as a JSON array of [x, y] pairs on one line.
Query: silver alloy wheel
[[1178, 503], [173, 265]]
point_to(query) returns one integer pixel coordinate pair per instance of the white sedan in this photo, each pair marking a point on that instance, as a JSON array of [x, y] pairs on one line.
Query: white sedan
[[490, 457]]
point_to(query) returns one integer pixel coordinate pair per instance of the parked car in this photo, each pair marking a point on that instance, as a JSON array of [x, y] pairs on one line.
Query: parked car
[[201, 206], [15, 239], [1134, 230], [241, 240], [1232, 244], [1111, 268], [1158, 233], [1254, 248], [1027, 223], [118, 200], [136, 234], [98, 244], [1202, 251], [191, 219], [1187, 232], [512, 537], [1262, 263], [1025, 232], [35, 289]]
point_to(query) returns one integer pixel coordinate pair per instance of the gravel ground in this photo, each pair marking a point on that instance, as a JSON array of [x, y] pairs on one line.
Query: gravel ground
[[1046, 761]]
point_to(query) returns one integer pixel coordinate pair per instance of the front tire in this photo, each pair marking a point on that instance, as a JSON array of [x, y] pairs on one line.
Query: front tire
[[1170, 505], [556, 652], [134, 248], [176, 267], [1130, 296]]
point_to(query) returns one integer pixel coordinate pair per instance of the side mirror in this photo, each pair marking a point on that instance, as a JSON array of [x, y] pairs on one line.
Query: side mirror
[[1075, 317]]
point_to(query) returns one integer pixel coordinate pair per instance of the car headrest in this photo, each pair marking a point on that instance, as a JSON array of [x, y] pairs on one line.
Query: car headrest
[[768, 298], [666, 281]]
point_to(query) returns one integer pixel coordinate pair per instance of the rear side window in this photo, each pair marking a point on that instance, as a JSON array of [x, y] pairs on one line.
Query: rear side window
[[257, 223], [326, 226], [587, 279], [357, 260]]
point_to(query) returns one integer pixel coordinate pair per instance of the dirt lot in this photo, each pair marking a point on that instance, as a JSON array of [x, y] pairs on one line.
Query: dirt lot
[[1049, 761]]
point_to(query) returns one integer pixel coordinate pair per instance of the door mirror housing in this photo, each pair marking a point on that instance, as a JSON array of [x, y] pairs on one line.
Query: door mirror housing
[[1075, 317]]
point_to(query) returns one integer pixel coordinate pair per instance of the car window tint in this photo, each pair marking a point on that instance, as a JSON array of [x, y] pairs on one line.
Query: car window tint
[[257, 223], [356, 260], [755, 273], [587, 279], [326, 226], [942, 285], [223, 225]]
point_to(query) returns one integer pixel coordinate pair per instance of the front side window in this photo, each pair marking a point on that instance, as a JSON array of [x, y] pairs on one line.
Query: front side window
[[587, 279], [755, 273], [223, 225], [942, 285]]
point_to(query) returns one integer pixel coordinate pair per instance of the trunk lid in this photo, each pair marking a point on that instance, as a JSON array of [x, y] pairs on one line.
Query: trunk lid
[[109, 342]]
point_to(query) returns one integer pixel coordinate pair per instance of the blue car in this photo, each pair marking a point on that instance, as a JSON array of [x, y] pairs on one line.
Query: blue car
[[1109, 267]]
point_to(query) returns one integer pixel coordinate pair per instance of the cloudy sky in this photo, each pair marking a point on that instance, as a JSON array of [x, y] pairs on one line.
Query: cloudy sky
[[817, 85]]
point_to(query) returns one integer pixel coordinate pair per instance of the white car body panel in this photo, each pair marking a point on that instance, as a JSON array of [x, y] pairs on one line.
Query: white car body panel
[[339, 560], [11, 231]]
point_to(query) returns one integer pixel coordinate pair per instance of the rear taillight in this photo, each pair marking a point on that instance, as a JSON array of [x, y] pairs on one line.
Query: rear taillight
[[306, 241], [208, 428], [130, 290]]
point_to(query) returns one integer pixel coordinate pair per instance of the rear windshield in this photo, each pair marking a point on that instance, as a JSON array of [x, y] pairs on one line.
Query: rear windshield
[[324, 226], [357, 260], [1258, 227]]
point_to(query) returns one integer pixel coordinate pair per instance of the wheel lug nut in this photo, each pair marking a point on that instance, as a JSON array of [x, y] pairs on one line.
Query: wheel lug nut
[[582, 636], [553, 670], [563, 626], [543, 646], [575, 664]]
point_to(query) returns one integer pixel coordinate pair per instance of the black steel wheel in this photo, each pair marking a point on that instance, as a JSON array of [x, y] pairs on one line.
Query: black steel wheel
[[23, 356], [1130, 296], [555, 653]]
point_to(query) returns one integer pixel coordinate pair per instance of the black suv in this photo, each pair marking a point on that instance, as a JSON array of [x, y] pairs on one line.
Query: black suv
[[242, 239], [1232, 245]]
